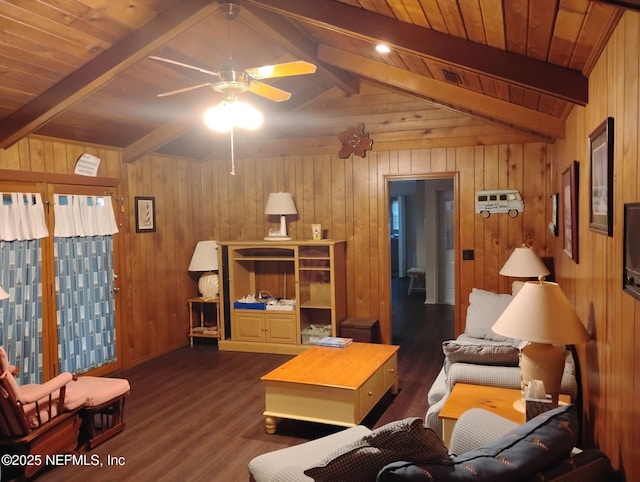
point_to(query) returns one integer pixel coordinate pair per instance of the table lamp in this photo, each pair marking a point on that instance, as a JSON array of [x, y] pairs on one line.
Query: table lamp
[[280, 203], [205, 258], [541, 314], [3, 294], [524, 263]]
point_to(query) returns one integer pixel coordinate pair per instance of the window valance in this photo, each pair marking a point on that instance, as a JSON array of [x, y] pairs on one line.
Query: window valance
[[78, 215], [22, 217]]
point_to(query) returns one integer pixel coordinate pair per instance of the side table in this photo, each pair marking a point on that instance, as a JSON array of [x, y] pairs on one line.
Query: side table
[[206, 326], [497, 400]]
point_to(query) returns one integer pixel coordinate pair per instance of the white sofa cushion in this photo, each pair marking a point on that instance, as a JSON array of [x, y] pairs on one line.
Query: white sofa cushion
[[484, 309], [288, 464]]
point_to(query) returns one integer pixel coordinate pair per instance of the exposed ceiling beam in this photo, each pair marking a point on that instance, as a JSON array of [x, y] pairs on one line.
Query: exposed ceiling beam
[[630, 4], [291, 39], [428, 88], [103, 68], [540, 76], [159, 137]]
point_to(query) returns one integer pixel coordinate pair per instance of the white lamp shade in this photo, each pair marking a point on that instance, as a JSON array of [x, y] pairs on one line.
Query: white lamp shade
[[541, 313], [524, 263], [3, 294], [205, 256], [280, 203]]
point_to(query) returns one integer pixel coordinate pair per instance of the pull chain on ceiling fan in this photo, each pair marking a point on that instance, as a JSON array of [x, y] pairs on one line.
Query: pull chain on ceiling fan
[[233, 81]]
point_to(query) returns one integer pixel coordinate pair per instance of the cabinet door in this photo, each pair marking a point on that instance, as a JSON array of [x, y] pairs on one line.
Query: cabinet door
[[247, 326], [280, 328]]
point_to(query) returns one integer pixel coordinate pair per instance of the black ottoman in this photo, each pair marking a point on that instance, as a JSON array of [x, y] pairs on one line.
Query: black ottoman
[[366, 330]]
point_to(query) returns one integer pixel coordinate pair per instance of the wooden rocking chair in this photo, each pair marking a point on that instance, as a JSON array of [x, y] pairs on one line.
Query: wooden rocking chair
[[35, 420]]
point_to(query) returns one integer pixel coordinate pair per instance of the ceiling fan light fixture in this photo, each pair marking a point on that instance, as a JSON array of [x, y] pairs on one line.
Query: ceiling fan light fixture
[[229, 114], [246, 116]]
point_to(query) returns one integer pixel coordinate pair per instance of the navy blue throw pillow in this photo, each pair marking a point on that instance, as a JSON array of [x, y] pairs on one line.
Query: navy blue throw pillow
[[526, 450]]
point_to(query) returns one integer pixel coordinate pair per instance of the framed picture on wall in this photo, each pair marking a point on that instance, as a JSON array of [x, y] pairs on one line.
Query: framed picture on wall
[[601, 178], [570, 210], [553, 225], [145, 214]]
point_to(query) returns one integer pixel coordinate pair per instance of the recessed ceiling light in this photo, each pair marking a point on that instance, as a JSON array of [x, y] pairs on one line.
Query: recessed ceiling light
[[383, 49]]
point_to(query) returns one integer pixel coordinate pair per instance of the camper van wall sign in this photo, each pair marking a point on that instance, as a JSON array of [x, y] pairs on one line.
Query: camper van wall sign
[[499, 201]]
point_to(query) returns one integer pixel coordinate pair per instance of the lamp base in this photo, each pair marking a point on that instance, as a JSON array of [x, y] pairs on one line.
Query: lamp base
[[281, 234], [545, 362], [209, 285]]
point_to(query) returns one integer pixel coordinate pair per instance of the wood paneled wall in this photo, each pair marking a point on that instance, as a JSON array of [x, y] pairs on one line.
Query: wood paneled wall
[[349, 198], [159, 283], [611, 361]]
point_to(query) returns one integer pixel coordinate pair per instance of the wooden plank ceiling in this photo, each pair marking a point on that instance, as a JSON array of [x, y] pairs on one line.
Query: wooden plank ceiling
[[460, 72]]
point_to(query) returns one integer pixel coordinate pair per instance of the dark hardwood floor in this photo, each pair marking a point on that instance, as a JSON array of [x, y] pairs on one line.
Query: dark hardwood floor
[[196, 414]]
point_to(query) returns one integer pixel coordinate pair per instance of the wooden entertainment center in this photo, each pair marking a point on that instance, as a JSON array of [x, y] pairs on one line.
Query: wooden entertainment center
[[302, 284]]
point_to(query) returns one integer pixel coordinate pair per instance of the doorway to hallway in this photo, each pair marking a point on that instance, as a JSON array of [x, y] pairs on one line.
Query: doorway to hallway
[[421, 235]]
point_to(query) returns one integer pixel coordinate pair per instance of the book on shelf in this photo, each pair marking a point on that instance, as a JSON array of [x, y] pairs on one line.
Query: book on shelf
[[335, 341]]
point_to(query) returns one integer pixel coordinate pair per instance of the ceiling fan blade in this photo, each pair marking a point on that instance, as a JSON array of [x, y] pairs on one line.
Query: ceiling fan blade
[[193, 67], [286, 69], [186, 89], [268, 91]]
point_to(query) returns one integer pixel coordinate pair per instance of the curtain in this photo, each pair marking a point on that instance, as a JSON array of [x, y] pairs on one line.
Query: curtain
[[84, 301], [83, 258], [77, 215], [22, 224], [21, 313], [22, 217]]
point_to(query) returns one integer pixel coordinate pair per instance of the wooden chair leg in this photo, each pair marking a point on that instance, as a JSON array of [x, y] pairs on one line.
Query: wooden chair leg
[[103, 422]]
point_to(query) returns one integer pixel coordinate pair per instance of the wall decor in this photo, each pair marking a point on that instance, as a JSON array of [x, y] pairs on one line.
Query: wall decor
[[499, 201], [601, 178], [354, 141], [553, 225], [145, 214], [570, 210]]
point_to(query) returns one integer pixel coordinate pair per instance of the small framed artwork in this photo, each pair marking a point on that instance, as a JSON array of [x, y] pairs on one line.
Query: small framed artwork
[[570, 210], [553, 225], [316, 231], [601, 178], [145, 214]]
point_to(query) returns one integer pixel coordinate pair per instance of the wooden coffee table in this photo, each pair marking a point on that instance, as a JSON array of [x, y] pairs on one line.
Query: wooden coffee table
[[337, 386]]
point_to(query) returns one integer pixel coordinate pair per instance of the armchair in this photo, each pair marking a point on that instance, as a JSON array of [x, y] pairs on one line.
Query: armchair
[[36, 419]]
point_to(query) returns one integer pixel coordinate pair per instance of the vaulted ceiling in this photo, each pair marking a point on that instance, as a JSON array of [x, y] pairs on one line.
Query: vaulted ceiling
[[460, 72]]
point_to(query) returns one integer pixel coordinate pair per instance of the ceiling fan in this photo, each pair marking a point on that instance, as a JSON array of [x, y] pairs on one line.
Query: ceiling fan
[[230, 80]]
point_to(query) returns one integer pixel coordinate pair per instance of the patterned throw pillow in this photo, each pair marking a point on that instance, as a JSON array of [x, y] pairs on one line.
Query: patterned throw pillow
[[406, 439], [527, 450]]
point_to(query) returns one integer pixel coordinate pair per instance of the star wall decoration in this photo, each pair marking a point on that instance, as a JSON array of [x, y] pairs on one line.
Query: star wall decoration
[[354, 141]]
